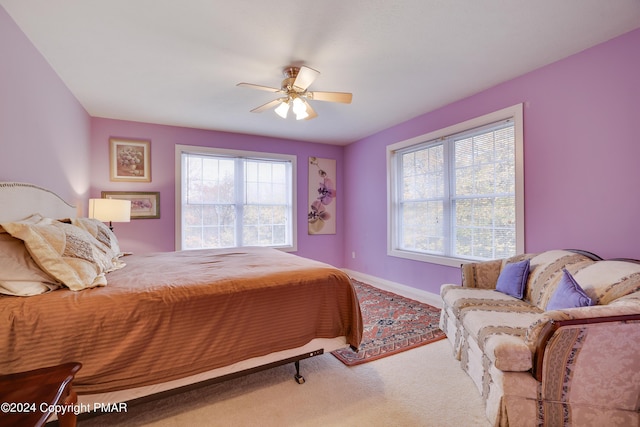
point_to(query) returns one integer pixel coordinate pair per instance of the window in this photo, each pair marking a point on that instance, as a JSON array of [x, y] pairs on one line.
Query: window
[[231, 198], [457, 194]]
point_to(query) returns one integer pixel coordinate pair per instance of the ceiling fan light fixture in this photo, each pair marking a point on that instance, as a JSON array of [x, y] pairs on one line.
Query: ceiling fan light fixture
[[294, 88], [300, 109], [283, 109]]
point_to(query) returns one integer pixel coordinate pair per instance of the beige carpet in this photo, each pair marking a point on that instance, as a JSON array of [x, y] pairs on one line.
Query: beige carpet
[[420, 387]]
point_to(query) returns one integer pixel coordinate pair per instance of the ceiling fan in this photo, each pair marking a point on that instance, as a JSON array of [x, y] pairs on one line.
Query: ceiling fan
[[296, 96]]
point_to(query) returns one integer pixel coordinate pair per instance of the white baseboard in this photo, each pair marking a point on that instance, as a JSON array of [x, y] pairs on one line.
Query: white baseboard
[[400, 289]]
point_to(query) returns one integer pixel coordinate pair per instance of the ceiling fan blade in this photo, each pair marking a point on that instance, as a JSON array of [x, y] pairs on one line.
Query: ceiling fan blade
[[268, 105], [305, 77], [311, 112], [259, 87], [343, 97]]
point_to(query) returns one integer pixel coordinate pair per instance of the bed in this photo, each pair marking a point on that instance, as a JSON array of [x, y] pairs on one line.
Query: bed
[[143, 324]]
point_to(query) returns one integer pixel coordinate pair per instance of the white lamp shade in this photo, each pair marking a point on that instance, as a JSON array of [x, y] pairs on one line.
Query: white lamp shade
[[300, 109], [114, 210], [282, 109]]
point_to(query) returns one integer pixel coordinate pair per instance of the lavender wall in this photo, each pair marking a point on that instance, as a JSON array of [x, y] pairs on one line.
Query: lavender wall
[[581, 163], [148, 235], [44, 131], [581, 155]]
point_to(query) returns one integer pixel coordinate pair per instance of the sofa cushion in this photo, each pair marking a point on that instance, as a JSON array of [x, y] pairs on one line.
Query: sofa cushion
[[606, 281], [460, 300], [568, 294], [482, 274], [545, 273], [495, 322], [500, 335], [513, 278]]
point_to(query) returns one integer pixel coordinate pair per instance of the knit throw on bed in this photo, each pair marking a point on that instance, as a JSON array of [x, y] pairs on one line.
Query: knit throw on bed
[[392, 323]]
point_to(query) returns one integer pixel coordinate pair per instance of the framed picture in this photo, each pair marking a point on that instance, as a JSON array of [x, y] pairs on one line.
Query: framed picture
[[144, 204], [322, 196], [129, 160]]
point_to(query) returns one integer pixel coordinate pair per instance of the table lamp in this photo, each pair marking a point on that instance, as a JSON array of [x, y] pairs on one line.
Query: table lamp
[[111, 210]]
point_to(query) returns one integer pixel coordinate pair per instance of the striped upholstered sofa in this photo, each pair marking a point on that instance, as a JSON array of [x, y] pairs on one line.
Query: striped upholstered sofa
[[536, 362]]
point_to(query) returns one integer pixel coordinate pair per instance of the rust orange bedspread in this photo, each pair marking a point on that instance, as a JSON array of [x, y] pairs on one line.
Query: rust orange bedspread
[[169, 315]]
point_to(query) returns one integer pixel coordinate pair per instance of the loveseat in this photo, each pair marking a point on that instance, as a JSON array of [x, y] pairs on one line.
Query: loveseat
[[564, 351]]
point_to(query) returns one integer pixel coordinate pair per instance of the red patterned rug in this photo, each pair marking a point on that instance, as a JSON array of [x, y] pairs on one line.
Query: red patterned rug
[[392, 323]]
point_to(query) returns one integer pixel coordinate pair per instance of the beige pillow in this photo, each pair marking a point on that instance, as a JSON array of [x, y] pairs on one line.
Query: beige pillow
[[98, 230], [64, 251], [19, 274], [101, 233]]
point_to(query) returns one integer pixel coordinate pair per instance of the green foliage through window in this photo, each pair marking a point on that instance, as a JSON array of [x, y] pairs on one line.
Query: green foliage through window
[[230, 201], [455, 195]]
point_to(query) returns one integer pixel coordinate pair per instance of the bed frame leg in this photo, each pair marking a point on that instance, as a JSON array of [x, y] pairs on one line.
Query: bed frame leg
[[299, 378]]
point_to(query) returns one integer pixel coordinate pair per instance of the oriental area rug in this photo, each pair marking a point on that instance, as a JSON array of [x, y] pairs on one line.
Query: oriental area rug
[[392, 324]]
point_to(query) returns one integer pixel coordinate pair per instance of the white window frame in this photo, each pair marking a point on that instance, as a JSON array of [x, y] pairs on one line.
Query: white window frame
[[199, 150], [514, 113]]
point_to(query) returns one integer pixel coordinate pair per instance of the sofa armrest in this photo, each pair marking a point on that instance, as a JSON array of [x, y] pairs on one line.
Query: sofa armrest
[[550, 331]]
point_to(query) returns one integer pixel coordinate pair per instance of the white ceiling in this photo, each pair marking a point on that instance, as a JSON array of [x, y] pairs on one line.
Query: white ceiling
[[178, 62]]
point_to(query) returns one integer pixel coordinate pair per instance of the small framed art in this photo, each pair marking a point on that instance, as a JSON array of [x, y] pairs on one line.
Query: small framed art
[[144, 204], [130, 160]]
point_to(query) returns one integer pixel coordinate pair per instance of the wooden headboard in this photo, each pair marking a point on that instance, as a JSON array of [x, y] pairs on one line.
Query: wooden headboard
[[18, 200]]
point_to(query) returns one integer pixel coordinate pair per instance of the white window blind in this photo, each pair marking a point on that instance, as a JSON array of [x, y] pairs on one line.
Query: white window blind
[[231, 199], [455, 195]]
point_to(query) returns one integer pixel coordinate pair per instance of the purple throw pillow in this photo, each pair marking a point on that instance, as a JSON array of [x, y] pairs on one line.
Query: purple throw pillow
[[568, 294], [513, 279]]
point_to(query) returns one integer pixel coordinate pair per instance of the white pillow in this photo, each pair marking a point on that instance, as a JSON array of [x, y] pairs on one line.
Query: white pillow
[[20, 275], [64, 251]]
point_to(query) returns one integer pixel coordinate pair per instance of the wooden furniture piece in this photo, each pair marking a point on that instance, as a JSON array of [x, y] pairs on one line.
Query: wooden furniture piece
[[28, 398]]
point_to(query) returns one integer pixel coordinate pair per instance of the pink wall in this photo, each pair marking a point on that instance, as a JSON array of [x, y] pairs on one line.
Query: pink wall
[[44, 131], [581, 163], [148, 235]]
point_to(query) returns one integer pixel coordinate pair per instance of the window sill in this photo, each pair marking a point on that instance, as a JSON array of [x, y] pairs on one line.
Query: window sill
[[280, 248], [433, 259]]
